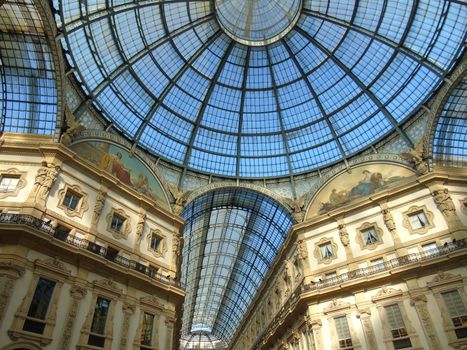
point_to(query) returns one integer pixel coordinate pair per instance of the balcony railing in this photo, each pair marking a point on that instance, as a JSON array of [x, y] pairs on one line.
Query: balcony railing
[[359, 273], [81, 243]]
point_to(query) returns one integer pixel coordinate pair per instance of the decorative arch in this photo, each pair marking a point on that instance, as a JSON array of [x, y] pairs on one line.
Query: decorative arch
[[437, 105], [448, 144], [22, 346], [283, 201], [131, 166], [341, 187]]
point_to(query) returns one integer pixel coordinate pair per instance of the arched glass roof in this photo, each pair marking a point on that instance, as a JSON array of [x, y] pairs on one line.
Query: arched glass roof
[[348, 73], [450, 142], [231, 238], [29, 92]]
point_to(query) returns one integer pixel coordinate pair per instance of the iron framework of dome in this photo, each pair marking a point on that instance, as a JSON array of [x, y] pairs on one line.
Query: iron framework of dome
[[348, 73]]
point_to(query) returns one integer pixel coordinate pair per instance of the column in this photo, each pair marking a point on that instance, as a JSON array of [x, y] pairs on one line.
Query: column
[[419, 302], [9, 273], [365, 319], [77, 294], [128, 311]]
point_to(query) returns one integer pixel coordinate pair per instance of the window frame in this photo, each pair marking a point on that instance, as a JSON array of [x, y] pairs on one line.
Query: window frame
[[414, 210], [318, 250], [361, 239], [82, 205], [161, 247], [126, 224], [13, 172]]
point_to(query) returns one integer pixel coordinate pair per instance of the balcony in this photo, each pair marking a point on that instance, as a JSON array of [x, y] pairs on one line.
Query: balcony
[[81, 243]]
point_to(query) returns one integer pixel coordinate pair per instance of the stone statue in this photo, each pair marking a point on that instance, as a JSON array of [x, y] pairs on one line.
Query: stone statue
[[140, 227], [444, 202], [73, 127], [100, 201], [40, 177], [45, 178], [301, 250], [415, 156], [344, 235], [388, 220]]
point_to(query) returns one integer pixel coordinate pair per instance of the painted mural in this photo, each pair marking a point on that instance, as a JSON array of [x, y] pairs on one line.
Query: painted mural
[[361, 182], [118, 162]]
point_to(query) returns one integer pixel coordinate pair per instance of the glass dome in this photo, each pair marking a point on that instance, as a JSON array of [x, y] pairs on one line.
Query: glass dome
[[204, 96]]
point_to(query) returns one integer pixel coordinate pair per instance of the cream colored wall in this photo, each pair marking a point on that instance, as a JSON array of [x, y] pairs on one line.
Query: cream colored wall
[[398, 201], [64, 303], [73, 175]]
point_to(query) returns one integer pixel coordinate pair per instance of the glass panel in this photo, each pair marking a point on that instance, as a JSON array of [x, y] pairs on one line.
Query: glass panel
[[454, 304], [100, 315], [41, 298], [71, 200], [8, 183], [418, 220], [146, 332]]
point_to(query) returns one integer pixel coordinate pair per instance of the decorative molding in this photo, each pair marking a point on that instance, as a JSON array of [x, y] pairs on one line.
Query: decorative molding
[[222, 185], [412, 210], [317, 252], [359, 235], [336, 305], [20, 185], [126, 227], [444, 278], [82, 204], [109, 286], [54, 266], [387, 293]]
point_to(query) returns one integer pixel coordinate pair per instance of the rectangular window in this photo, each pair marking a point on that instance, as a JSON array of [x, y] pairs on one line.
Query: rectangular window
[[457, 312], [343, 333], [71, 200], [418, 220], [326, 250], [369, 236], [399, 334], [8, 183], [101, 309], [117, 223], [146, 331], [39, 306]]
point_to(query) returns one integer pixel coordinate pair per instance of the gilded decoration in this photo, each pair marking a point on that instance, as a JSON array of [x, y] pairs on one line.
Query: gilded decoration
[[82, 205], [360, 236], [125, 227], [325, 250], [124, 165], [161, 248], [356, 183], [424, 226], [15, 173]]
